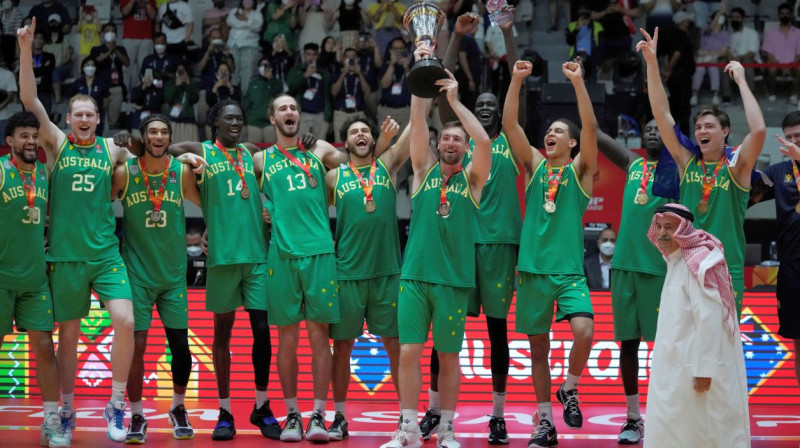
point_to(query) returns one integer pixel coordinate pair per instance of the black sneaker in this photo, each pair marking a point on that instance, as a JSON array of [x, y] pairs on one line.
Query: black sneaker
[[429, 425], [338, 429], [179, 419], [266, 421], [544, 435], [224, 430], [572, 412], [497, 431], [137, 430]]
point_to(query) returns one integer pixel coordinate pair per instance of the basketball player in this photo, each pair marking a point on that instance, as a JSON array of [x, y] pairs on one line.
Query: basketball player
[[24, 292], [551, 269], [151, 190], [83, 253]]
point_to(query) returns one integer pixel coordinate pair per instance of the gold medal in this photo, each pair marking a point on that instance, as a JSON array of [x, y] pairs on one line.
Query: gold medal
[[641, 198], [444, 209], [245, 193], [702, 206], [33, 214], [312, 181], [797, 207], [155, 216], [369, 206], [550, 206]]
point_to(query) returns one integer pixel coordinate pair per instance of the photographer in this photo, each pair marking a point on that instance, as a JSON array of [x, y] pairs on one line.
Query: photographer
[[395, 97], [312, 88], [216, 53], [348, 92]]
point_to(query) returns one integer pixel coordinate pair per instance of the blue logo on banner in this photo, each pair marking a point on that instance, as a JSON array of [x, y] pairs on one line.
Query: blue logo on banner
[[369, 363], [763, 351]]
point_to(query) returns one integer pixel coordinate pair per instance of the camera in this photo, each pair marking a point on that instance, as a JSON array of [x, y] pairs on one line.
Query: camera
[[351, 62]]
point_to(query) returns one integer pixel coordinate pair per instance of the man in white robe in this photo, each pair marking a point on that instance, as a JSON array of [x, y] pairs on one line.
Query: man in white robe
[[698, 390]]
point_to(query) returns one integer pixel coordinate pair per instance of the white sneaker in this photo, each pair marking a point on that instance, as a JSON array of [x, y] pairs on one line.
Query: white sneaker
[[292, 428], [316, 431], [52, 433], [447, 439], [115, 417], [404, 439], [68, 423]]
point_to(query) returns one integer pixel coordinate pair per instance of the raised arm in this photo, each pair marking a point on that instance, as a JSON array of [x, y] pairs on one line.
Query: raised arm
[[512, 55], [422, 158], [658, 100], [586, 160], [466, 23], [753, 142], [618, 155], [397, 154], [520, 146]]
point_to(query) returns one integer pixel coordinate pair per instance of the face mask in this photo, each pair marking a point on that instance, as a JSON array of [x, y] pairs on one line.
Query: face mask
[[89, 70], [247, 4], [217, 42], [8, 4], [432, 143], [88, 17], [785, 20], [736, 25], [194, 251], [349, 2], [110, 36], [607, 248], [262, 70], [160, 48]]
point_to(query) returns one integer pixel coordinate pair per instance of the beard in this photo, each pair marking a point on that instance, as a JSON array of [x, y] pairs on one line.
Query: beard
[[282, 128], [149, 150], [21, 153]]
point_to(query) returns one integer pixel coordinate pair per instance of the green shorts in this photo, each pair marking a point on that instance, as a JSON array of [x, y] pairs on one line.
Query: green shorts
[[496, 266], [635, 298], [373, 299], [738, 294], [421, 303], [31, 310], [536, 294], [72, 283], [302, 288], [172, 304], [230, 286]]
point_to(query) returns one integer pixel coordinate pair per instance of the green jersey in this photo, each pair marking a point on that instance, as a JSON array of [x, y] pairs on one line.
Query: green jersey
[[368, 244], [634, 252], [22, 265], [82, 220], [727, 205], [553, 242], [235, 224], [441, 249], [299, 212], [499, 220], [154, 252]]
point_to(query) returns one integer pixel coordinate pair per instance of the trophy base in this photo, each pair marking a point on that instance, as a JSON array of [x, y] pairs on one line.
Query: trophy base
[[423, 75]]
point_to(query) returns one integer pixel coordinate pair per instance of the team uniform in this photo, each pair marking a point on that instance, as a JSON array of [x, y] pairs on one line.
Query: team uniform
[[24, 292], [637, 269], [302, 265], [551, 266], [439, 267], [784, 179], [236, 264], [724, 217], [154, 251], [83, 253], [497, 227], [367, 253]]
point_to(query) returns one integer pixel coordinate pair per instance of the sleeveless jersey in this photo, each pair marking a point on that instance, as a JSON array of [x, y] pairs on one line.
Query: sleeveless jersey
[[367, 244], [154, 252], [442, 250], [499, 220], [82, 220], [22, 262], [634, 252], [727, 206], [300, 225], [235, 225], [552, 243]]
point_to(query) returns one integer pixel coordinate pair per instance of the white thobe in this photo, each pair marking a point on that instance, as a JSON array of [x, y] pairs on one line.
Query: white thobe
[[692, 341]]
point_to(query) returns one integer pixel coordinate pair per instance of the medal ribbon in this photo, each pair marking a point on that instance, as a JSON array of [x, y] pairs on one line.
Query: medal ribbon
[[370, 184], [306, 167], [29, 186], [443, 191], [710, 181], [796, 175], [155, 199], [238, 166], [553, 181], [646, 175]]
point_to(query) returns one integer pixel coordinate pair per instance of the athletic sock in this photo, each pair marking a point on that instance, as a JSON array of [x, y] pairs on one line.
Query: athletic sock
[[225, 403], [319, 407], [546, 411], [447, 420], [433, 400], [67, 401], [137, 408], [498, 404], [633, 407], [261, 398], [571, 383], [118, 390], [408, 418], [291, 405], [340, 407], [177, 400], [48, 407]]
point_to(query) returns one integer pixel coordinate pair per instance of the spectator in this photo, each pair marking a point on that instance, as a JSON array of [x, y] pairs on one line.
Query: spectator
[[281, 60], [262, 89], [89, 84], [195, 272], [715, 43], [553, 6], [395, 97], [137, 34], [348, 92], [88, 30], [180, 96], [386, 17], [676, 45], [328, 59], [146, 99], [497, 54], [216, 18], [703, 9], [176, 21], [11, 20], [245, 23], [370, 60], [281, 18], [160, 66], [311, 17], [782, 45], [583, 36], [8, 95], [351, 19], [216, 53], [745, 43], [618, 26], [312, 87], [223, 89], [596, 265], [43, 65], [63, 52], [45, 9], [659, 13], [468, 70], [111, 59]]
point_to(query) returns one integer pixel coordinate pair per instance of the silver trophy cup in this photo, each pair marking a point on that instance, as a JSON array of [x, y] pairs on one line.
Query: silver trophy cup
[[424, 20]]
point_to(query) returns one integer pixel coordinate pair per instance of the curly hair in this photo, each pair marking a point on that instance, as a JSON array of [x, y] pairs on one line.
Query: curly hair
[[214, 112], [23, 119]]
